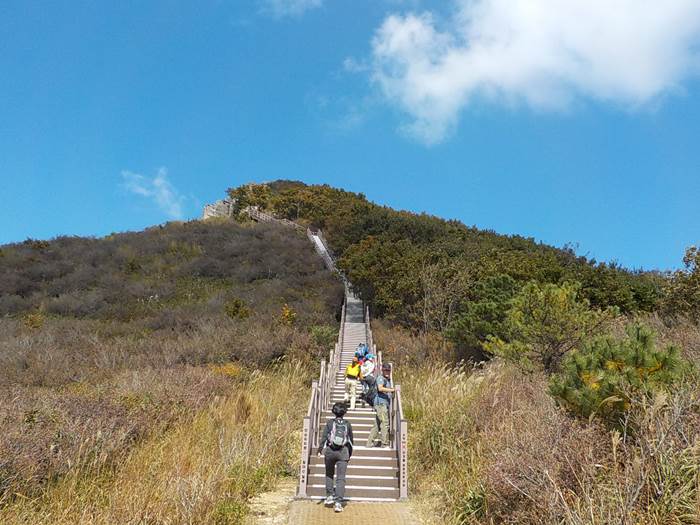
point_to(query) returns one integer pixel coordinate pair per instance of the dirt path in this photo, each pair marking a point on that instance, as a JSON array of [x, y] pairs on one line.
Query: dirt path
[[272, 508], [279, 508]]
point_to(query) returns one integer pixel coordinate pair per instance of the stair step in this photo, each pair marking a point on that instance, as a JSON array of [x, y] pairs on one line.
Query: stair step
[[361, 451], [359, 469], [369, 461], [368, 500], [357, 491], [359, 410], [360, 434], [354, 418], [366, 481]]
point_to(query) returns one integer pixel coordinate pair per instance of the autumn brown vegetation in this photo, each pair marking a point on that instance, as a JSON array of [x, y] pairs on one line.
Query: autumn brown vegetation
[[105, 342], [490, 445]]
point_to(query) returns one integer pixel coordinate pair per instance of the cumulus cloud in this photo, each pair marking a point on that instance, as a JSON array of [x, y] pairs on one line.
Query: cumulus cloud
[[544, 54], [158, 189], [282, 8]]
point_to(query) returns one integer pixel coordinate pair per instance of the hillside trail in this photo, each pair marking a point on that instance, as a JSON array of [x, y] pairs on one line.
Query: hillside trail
[[374, 492], [279, 507]]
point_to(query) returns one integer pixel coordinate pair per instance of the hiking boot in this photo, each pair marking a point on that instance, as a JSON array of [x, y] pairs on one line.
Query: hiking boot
[[338, 507], [329, 501]]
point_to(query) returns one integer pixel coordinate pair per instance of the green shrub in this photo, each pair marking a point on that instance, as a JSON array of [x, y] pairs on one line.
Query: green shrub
[[132, 266], [683, 289], [324, 336], [485, 315], [602, 378], [288, 315], [546, 322], [236, 309], [395, 259], [186, 250], [230, 512]]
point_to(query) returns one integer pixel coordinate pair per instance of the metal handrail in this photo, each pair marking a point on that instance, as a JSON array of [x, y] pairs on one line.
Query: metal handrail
[[255, 214]]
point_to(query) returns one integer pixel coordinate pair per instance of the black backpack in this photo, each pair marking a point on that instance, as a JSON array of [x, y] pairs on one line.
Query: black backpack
[[369, 390], [338, 436]]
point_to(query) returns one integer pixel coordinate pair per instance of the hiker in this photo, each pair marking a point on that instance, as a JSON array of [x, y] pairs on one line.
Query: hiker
[[369, 385], [361, 351], [367, 367], [379, 435], [353, 374], [336, 447]]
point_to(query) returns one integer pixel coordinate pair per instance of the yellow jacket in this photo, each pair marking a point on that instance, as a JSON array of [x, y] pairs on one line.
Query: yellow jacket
[[353, 370]]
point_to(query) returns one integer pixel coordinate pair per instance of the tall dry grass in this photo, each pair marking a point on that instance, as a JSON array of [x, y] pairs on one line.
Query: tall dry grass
[[201, 471], [492, 447]]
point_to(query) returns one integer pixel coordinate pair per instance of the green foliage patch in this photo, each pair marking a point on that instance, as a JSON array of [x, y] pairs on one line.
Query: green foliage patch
[[425, 272], [606, 374], [546, 322], [237, 308]]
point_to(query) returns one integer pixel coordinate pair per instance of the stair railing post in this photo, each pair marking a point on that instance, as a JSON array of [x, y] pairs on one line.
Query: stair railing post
[[323, 392], [307, 440], [402, 445]]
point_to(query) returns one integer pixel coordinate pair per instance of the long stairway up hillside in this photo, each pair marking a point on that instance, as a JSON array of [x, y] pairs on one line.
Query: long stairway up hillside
[[374, 474]]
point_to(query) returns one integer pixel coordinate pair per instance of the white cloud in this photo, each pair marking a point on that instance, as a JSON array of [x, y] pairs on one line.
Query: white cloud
[[158, 189], [541, 53], [282, 8], [353, 66]]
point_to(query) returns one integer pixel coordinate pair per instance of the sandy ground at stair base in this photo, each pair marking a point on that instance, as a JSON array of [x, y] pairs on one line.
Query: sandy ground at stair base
[[279, 508]]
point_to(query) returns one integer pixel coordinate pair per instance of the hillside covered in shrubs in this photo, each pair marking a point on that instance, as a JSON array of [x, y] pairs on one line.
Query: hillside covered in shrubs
[[161, 376], [105, 342], [430, 274]]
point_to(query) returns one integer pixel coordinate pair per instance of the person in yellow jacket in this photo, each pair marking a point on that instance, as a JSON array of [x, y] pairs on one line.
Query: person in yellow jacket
[[352, 378]]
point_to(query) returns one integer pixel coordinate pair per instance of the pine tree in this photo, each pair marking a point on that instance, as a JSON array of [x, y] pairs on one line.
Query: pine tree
[[546, 322], [604, 376]]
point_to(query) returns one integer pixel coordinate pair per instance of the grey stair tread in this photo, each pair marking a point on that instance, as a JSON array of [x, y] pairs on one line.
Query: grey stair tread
[[367, 499], [388, 482], [356, 491], [385, 460], [379, 470]]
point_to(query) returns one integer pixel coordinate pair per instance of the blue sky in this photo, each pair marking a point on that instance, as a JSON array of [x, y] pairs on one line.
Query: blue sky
[[571, 122]]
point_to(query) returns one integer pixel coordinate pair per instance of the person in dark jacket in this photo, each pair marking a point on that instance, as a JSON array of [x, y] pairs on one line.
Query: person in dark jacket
[[336, 447]]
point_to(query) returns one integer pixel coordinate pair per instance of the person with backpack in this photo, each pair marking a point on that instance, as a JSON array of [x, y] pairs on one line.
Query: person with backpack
[[353, 374], [361, 351], [336, 447], [367, 367], [379, 435], [369, 385]]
